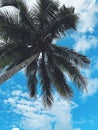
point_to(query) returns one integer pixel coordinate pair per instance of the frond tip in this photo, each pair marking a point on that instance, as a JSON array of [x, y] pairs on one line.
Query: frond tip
[[70, 55], [32, 80]]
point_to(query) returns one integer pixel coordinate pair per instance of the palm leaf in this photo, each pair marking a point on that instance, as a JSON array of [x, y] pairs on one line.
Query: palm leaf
[[5, 61], [46, 84], [11, 56], [72, 71], [11, 26], [58, 79], [8, 2], [5, 48], [46, 12], [32, 80], [19, 53], [26, 15], [6, 58], [60, 83], [71, 55], [66, 19]]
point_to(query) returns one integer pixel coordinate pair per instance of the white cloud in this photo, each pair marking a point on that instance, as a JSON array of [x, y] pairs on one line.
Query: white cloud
[[35, 117], [15, 128], [92, 82], [18, 93], [85, 43], [78, 129], [88, 17], [82, 121], [92, 88]]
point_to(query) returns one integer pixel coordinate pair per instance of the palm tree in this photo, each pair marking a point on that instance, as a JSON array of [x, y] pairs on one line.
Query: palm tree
[[28, 36]]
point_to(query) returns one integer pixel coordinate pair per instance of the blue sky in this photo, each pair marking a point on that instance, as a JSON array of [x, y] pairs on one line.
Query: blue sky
[[19, 112]]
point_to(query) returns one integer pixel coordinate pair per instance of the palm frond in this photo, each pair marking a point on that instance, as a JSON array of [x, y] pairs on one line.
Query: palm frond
[[72, 71], [71, 55], [60, 83], [32, 80], [6, 58], [48, 7], [26, 15], [46, 12], [5, 48], [9, 16], [5, 61], [20, 54], [11, 26], [15, 54], [46, 84], [57, 77], [66, 19], [8, 2]]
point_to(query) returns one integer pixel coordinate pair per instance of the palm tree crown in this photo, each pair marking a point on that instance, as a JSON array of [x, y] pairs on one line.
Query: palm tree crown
[[28, 36]]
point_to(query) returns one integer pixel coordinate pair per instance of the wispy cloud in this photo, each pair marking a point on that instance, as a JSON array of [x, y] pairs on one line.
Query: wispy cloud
[[15, 128], [82, 121], [84, 43], [35, 117], [92, 87]]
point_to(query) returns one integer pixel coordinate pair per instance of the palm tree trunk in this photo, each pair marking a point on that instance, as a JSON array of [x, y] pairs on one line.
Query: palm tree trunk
[[15, 69]]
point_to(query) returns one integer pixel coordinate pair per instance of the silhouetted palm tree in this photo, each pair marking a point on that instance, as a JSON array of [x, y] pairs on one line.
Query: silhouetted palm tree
[[28, 36]]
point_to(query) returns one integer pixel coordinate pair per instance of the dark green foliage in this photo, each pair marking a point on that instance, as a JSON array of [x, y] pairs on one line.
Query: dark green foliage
[[69, 54], [28, 31], [8, 2], [59, 81], [72, 71], [32, 80], [46, 84]]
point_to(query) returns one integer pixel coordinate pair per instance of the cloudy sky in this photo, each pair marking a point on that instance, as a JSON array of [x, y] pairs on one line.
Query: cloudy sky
[[19, 112]]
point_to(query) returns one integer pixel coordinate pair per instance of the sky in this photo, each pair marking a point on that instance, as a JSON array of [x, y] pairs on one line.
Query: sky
[[19, 112]]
